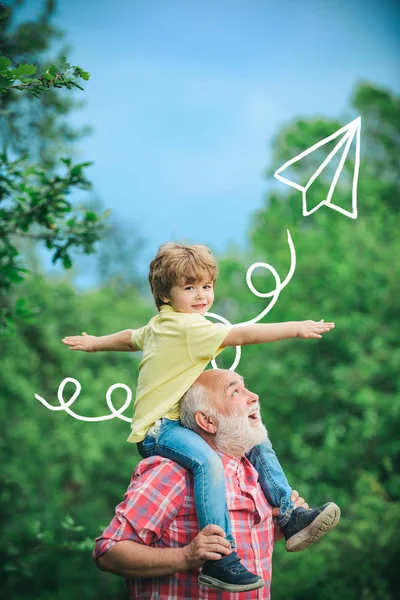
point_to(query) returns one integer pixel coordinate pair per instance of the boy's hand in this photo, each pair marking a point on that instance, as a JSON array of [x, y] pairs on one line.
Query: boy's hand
[[84, 342], [313, 329]]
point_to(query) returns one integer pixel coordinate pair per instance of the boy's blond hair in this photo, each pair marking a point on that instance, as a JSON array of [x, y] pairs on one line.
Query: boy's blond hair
[[175, 264]]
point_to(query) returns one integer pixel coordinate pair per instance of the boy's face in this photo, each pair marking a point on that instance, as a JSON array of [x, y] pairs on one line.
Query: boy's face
[[192, 297]]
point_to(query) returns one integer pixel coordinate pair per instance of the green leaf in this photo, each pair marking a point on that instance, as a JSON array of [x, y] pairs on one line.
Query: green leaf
[[22, 309], [64, 65], [4, 64], [29, 80], [67, 262], [76, 170], [91, 216], [14, 277], [24, 70]]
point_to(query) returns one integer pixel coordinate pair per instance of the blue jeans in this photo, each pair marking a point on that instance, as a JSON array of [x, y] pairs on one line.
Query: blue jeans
[[272, 479], [189, 450]]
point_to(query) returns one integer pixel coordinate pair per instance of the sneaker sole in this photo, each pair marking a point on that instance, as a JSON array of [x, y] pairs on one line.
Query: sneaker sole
[[229, 587], [321, 525]]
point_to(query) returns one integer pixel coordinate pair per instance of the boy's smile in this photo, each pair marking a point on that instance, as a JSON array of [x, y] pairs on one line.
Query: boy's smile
[[192, 297]]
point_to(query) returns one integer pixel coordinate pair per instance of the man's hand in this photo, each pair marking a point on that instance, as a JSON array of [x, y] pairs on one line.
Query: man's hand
[[209, 544], [84, 342], [313, 329], [298, 501]]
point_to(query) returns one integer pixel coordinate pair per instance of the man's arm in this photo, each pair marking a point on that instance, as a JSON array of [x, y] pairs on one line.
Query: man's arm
[[121, 341], [137, 561], [154, 498], [261, 333], [132, 560]]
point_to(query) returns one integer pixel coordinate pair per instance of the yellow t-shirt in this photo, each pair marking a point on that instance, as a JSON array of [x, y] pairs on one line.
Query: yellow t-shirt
[[176, 349]]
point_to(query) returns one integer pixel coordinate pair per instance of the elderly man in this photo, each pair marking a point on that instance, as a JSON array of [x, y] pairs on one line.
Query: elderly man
[[154, 539]]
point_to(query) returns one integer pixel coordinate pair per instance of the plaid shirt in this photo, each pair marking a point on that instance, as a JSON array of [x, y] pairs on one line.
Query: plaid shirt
[[158, 510]]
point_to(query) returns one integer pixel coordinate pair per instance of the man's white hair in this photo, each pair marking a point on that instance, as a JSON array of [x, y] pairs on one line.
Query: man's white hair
[[234, 434], [195, 399]]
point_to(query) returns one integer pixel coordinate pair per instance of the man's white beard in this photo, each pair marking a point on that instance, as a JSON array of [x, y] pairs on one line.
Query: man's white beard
[[236, 435]]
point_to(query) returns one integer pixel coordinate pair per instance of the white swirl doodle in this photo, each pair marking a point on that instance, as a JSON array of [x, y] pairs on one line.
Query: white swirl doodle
[[274, 295], [66, 405]]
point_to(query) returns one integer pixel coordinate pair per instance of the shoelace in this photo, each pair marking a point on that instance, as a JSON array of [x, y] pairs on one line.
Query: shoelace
[[237, 567]]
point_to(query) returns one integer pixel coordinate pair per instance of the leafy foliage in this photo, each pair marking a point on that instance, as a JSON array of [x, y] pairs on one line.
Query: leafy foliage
[[24, 77], [332, 407], [60, 477], [34, 204], [28, 126], [33, 200]]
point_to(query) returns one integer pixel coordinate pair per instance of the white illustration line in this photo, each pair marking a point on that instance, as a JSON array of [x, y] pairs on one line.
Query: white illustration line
[[349, 132], [65, 405], [274, 295]]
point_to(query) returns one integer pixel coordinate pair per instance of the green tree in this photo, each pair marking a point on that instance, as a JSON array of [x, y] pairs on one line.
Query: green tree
[[34, 204], [33, 197], [331, 406], [60, 477], [27, 126]]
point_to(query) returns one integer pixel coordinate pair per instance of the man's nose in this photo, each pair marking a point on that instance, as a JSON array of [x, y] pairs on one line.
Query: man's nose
[[253, 397]]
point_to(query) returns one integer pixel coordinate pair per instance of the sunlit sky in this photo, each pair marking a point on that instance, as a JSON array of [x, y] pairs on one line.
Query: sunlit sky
[[185, 97]]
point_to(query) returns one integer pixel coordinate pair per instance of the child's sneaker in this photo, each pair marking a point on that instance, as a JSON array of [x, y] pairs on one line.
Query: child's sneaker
[[228, 574], [306, 527]]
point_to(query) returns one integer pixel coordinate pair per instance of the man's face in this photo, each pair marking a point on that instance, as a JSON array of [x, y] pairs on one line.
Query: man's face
[[192, 297], [230, 395], [239, 426]]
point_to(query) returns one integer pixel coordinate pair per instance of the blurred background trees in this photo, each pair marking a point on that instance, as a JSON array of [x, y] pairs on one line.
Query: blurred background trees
[[331, 406], [27, 127], [35, 178]]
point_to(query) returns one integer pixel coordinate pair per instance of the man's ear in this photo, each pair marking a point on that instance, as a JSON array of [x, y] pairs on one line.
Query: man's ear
[[164, 299], [205, 422]]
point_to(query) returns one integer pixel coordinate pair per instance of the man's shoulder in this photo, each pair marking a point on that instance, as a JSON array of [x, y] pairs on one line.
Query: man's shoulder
[[162, 469]]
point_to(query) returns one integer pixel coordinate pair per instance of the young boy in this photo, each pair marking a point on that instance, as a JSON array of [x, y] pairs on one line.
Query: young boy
[[177, 345]]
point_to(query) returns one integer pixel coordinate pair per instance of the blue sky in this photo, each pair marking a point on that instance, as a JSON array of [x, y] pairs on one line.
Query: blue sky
[[185, 97]]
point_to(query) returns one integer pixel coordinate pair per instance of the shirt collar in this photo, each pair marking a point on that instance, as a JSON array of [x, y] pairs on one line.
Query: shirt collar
[[166, 308], [231, 463]]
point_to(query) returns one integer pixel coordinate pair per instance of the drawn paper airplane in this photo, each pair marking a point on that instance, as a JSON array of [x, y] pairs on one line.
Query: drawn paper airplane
[[348, 131]]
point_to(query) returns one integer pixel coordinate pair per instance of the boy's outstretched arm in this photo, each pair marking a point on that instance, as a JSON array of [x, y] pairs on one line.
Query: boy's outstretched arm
[[121, 341], [261, 333]]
